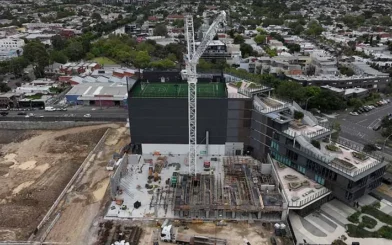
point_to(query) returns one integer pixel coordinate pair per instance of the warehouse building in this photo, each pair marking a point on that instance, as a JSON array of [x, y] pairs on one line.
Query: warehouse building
[[98, 94]]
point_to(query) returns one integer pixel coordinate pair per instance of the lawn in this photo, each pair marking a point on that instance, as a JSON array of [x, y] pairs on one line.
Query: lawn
[[356, 231], [34, 97], [359, 231], [372, 211], [104, 61], [368, 222]]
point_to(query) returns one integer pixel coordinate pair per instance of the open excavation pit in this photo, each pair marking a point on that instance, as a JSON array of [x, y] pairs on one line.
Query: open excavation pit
[[35, 166], [233, 188]]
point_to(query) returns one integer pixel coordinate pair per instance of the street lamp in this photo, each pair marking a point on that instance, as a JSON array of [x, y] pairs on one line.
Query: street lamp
[[385, 142], [307, 100]]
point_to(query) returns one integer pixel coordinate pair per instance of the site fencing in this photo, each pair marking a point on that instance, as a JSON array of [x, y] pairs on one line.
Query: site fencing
[[120, 172]]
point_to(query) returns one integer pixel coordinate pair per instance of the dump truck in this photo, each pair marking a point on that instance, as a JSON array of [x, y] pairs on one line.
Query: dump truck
[[169, 235]]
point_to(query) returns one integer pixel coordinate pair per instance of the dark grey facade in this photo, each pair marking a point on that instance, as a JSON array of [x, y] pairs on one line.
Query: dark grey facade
[[165, 120], [239, 117]]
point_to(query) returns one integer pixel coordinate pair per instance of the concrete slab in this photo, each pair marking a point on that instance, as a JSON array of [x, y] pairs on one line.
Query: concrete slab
[[311, 228], [366, 200], [386, 207], [321, 222]]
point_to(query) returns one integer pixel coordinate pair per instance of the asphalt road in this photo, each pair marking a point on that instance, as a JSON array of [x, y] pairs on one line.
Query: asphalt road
[[95, 112], [359, 128]]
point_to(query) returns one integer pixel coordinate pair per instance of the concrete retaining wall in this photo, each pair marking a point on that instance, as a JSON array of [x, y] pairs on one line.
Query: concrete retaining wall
[[44, 125]]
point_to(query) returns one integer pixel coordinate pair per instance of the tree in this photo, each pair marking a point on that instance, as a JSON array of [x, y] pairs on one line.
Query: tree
[[160, 30], [314, 28], [204, 65], [96, 16], [336, 127], [294, 48], [239, 39], [344, 70], [291, 91], [260, 38], [58, 56], [17, 65], [75, 51], [163, 64], [246, 50], [261, 31], [4, 88], [142, 59], [58, 42], [35, 53], [298, 115], [355, 103]]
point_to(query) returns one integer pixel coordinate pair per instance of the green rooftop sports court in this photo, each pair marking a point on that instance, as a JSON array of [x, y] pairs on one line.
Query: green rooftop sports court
[[177, 90]]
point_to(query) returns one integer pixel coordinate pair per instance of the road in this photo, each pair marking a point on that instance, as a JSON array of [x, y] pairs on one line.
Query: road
[[360, 128], [76, 112]]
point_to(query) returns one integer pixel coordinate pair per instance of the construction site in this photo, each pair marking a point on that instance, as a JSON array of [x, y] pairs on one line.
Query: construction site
[[52, 182], [230, 188]]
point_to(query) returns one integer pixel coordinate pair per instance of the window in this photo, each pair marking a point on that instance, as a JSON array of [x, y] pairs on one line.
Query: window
[[274, 145], [301, 169], [319, 179]]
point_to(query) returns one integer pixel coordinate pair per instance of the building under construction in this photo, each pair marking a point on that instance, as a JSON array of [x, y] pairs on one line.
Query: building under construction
[[245, 189], [230, 188]]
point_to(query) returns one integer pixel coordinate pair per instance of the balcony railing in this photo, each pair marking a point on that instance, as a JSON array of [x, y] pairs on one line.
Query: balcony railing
[[309, 198], [329, 160]]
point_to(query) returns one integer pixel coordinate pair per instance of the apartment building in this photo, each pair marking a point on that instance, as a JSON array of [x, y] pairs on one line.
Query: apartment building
[[216, 50], [324, 64], [372, 83], [306, 146], [11, 43]]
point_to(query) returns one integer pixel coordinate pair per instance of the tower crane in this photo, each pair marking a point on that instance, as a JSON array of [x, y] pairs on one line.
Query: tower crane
[[191, 61]]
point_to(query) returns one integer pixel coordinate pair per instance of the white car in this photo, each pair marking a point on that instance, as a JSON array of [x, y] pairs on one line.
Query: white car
[[354, 113], [378, 147], [87, 115]]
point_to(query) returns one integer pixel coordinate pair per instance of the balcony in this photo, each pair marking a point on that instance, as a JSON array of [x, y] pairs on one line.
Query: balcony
[[298, 189], [344, 157]]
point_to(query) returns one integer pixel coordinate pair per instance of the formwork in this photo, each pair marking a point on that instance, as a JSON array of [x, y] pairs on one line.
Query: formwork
[[241, 191], [231, 188]]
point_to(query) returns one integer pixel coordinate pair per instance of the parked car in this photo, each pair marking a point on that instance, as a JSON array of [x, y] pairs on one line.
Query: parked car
[[353, 113], [361, 110], [388, 100], [87, 115], [378, 147], [376, 128], [358, 111], [22, 113], [4, 113]]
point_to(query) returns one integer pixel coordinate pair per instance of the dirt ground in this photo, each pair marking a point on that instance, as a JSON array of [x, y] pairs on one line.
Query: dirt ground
[[84, 203], [234, 233], [35, 166]]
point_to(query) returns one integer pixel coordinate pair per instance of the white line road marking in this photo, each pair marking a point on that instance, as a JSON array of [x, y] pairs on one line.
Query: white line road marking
[[363, 120], [374, 123]]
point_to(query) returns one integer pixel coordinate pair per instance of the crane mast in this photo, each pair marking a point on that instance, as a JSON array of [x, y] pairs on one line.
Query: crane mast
[[191, 61]]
